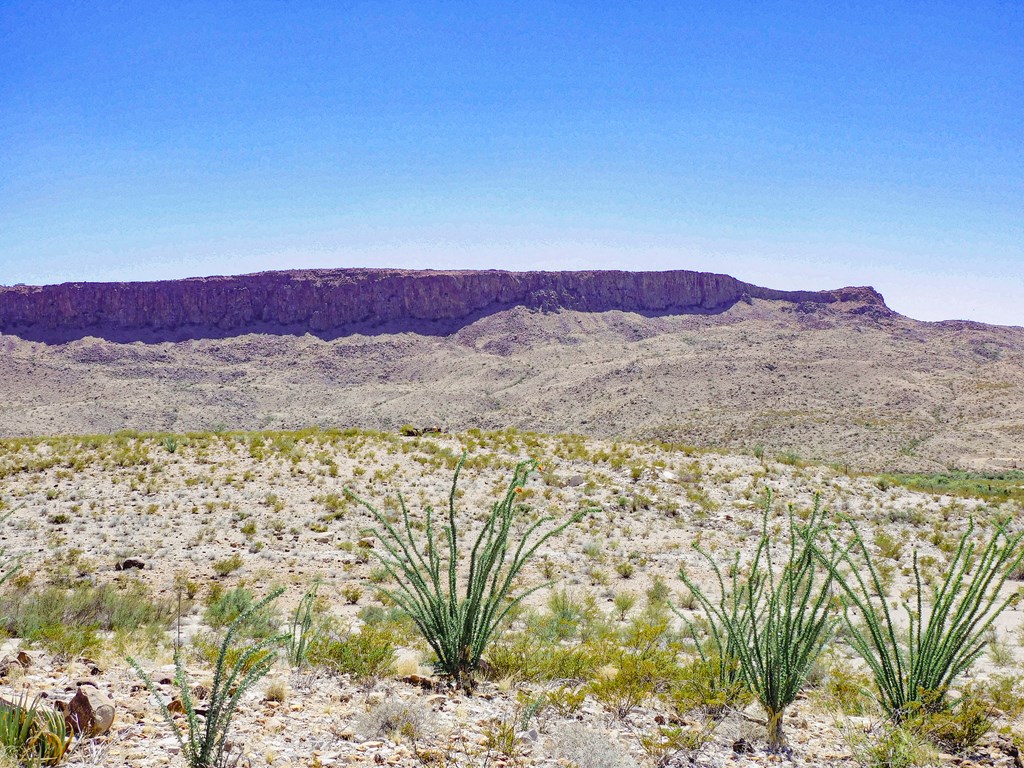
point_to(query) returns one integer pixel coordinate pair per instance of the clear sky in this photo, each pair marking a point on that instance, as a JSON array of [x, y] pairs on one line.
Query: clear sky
[[794, 145]]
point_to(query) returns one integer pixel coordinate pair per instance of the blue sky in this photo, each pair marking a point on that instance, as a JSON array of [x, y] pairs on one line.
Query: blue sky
[[795, 145]]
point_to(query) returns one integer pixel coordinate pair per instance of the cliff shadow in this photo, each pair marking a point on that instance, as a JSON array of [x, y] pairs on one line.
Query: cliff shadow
[[439, 327]]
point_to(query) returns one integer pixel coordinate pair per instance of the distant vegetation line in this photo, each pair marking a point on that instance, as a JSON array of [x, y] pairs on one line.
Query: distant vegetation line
[[132, 447]]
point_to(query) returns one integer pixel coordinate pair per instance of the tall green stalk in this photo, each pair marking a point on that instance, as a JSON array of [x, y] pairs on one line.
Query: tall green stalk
[[946, 634], [8, 565], [300, 630], [458, 621], [236, 671], [775, 619]]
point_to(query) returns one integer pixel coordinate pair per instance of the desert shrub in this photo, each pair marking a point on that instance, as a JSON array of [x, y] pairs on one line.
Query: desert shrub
[[425, 569], [658, 593], [995, 487], [393, 718], [236, 670], [947, 633], [677, 744], [632, 680], [708, 687], [225, 607], [393, 619], [639, 665], [890, 747], [524, 656], [999, 652], [846, 690], [564, 701], [776, 620], [351, 593], [624, 603], [367, 654], [955, 728], [584, 746], [1005, 693], [713, 682], [68, 622], [568, 617], [31, 733], [227, 565], [501, 739]]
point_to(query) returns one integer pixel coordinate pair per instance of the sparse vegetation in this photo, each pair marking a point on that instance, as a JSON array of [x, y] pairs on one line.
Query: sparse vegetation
[[68, 621], [913, 671], [204, 741], [459, 628], [603, 637], [775, 617], [994, 487], [33, 733]]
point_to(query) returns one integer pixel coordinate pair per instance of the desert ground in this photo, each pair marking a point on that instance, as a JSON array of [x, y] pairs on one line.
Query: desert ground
[[207, 513]]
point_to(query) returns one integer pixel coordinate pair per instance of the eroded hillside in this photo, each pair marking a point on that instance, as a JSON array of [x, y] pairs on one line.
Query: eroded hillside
[[824, 381]]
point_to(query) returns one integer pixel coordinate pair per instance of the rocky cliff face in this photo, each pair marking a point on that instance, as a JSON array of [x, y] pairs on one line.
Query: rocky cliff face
[[332, 301]]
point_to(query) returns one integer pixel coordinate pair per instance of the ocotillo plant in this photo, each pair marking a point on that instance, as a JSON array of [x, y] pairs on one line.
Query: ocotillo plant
[[946, 634], [236, 671], [776, 620], [301, 630], [458, 621]]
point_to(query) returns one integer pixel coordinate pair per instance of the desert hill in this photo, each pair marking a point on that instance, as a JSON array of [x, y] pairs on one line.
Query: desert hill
[[683, 356]]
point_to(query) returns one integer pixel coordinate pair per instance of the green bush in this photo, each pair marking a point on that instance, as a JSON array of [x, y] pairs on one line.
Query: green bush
[[426, 571], [228, 565], [567, 617], [914, 670], [32, 734], [890, 747], [1006, 693], [225, 607], [236, 670], [775, 619], [709, 687], [639, 673], [67, 622], [714, 681], [397, 622], [524, 656], [847, 691], [956, 728], [365, 655]]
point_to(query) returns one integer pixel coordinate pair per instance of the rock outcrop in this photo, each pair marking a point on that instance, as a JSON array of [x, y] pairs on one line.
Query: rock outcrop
[[331, 301]]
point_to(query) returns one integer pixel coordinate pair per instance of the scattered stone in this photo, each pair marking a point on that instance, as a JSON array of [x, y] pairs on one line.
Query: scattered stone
[[20, 660], [89, 713], [742, 747]]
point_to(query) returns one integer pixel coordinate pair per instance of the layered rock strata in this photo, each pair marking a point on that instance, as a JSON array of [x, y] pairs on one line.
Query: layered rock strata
[[332, 300]]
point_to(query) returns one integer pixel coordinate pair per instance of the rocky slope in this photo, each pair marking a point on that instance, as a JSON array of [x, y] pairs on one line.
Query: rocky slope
[[702, 359], [334, 300]]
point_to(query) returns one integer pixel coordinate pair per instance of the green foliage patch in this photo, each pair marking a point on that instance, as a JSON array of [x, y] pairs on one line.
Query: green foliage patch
[[993, 487]]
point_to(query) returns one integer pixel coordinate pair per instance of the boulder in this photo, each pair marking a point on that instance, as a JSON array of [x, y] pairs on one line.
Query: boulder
[[90, 712]]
